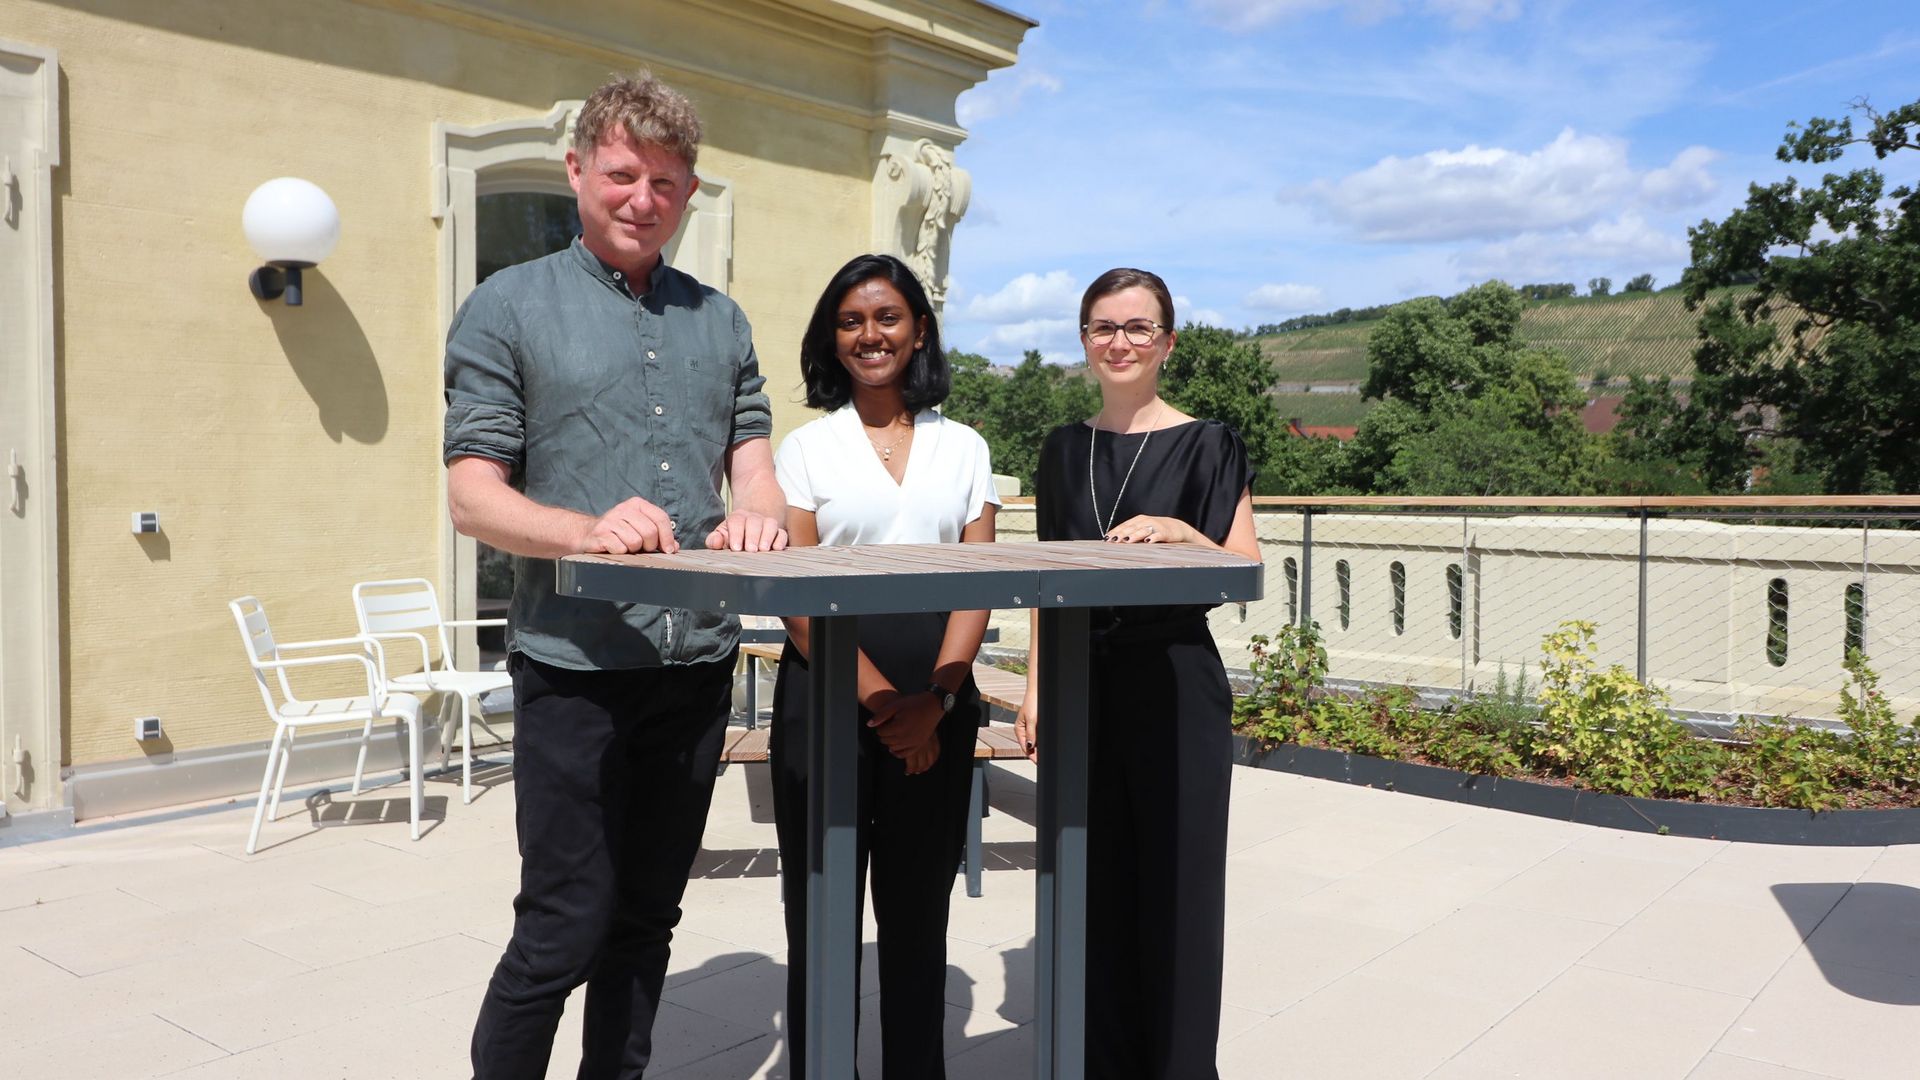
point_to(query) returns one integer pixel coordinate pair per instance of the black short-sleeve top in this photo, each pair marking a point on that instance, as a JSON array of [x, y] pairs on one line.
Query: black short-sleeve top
[[1194, 471]]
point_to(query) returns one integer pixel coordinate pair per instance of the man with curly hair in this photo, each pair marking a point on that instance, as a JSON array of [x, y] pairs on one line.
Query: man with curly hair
[[595, 400]]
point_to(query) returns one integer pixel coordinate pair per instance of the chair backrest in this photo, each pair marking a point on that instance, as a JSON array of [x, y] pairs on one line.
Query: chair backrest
[[401, 605], [251, 617]]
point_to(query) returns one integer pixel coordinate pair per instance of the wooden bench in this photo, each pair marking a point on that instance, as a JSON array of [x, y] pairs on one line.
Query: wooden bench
[[998, 688]]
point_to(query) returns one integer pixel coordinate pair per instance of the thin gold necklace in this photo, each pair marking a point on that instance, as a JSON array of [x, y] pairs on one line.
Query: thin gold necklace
[[886, 451]]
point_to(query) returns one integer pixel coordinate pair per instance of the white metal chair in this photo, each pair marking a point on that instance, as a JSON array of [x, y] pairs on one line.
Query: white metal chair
[[288, 711], [407, 609]]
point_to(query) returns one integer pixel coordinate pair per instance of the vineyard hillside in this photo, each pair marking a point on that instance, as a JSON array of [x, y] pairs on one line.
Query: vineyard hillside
[[1631, 334]]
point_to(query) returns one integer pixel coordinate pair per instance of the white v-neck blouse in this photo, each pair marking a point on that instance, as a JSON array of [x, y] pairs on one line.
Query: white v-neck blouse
[[829, 467]]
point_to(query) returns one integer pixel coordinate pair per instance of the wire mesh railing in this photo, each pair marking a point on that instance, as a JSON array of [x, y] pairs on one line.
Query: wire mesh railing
[[1735, 607]]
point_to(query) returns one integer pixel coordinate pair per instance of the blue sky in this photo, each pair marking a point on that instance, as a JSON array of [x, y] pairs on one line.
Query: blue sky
[[1276, 157]]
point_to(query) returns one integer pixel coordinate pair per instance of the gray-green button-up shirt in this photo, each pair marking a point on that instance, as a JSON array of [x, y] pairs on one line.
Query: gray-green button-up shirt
[[593, 396]]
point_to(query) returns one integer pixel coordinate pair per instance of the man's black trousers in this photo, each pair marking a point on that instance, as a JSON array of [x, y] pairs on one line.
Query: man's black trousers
[[613, 774]]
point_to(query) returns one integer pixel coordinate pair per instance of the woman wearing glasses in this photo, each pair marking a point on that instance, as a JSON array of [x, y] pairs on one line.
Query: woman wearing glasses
[[882, 467], [1143, 472]]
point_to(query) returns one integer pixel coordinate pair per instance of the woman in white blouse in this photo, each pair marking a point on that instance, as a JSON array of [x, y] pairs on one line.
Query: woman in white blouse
[[882, 467]]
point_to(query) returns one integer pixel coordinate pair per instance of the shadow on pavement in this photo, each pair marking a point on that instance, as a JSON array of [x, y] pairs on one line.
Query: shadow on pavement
[[1868, 943]]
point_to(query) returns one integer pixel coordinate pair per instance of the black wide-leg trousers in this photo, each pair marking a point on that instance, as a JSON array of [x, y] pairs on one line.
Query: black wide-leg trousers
[[911, 832], [1160, 759], [613, 775]]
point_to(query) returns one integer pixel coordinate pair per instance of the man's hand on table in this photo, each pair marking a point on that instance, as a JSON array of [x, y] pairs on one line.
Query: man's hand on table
[[630, 528], [744, 530]]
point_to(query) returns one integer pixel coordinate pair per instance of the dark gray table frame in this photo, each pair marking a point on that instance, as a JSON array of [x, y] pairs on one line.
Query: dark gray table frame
[[835, 600]]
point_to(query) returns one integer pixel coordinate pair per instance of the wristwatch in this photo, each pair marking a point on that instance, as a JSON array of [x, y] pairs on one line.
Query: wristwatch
[[943, 695]]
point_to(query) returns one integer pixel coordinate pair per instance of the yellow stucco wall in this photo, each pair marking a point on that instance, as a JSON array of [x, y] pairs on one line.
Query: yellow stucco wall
[[292, 451]]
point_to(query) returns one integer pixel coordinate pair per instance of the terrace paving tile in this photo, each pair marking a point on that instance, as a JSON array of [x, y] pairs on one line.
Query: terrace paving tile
[[1591, 886], [1719, 1066], [1693, 943], [350, 950], [1503, 955], [1602, 1025], [1831, 1019], [1295, 954], [141, 1045], [1337, 1032]]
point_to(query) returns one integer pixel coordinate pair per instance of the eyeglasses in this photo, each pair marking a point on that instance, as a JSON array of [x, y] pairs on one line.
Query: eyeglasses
[[1138, 331]]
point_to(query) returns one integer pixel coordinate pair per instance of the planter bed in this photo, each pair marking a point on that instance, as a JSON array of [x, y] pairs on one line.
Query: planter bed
[[1709, 821]]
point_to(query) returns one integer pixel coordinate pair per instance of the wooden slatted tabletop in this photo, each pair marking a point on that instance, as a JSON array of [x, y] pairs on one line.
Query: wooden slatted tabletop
[[877, 578]]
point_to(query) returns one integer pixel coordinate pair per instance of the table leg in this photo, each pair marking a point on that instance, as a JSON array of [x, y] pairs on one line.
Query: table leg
[[833, 909], [1061, 915]]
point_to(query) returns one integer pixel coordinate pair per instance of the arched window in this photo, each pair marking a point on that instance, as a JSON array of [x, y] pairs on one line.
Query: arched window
[[1397, 575], [1456, 599], [1343, 577], [1777, 622]]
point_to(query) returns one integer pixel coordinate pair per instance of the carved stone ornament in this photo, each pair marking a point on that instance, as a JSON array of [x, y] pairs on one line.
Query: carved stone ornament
[[919, 194]]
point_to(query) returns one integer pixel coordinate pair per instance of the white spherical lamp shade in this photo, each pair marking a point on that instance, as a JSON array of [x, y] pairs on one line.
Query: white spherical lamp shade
[[291, 222]]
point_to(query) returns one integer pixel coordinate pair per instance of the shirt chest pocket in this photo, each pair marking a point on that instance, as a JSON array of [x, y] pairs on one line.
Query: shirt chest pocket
[[708, 398]]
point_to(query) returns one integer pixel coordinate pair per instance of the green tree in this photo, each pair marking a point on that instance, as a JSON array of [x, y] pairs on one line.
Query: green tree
[[1599, 286], [1468, 408], [1014, 412], [1814, 372], [1215, 375], [1638, 283]]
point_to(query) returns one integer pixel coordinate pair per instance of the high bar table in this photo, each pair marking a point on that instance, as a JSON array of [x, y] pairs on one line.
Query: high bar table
[[837, 585]]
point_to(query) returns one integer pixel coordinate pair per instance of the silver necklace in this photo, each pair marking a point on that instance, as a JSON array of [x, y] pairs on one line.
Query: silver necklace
[[1093, 434]]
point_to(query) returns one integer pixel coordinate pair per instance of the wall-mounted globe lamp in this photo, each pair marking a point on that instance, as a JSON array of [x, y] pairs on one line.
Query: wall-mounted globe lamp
[[291, 225]]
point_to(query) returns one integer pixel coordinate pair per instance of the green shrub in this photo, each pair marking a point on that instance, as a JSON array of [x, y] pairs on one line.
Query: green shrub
[[1612, 732], [1288, 670], [1781, 763], [1604, 729]]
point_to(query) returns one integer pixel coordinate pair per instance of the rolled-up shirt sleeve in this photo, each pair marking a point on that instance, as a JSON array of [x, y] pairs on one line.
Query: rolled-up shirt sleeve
[[486, 408], [752, 412]]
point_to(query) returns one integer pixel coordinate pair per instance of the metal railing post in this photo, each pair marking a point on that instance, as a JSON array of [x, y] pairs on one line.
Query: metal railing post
[[1640, 628], [1306, 566]]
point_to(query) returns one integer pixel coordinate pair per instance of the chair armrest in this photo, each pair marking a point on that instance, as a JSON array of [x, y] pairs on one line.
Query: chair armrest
[[326, 643], [376, 688], [474, 622], [426, 655], [366, 641]]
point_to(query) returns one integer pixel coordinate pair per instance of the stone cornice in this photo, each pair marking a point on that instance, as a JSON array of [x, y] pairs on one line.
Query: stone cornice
[[911, 53]]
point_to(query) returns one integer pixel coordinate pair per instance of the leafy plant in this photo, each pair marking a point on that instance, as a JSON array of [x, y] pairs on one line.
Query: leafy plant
[[1612, 731], [1881, 749], [1288, 668], [1781, 763]]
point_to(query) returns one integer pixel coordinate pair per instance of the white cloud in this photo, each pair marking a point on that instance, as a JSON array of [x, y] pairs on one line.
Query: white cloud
[[1471, 12], [1685, 182], [1252, 14], [1002, 93], [1029, 296], [1285, 299], [1050, 336], [1624, 246], [1488, 192], [1185, 312]]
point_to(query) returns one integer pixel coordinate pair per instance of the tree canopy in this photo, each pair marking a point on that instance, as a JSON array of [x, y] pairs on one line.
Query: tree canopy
[[1813, 376]]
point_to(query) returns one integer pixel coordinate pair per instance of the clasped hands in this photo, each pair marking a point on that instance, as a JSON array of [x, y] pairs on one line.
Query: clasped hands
[[908, 726], [637, 525]]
